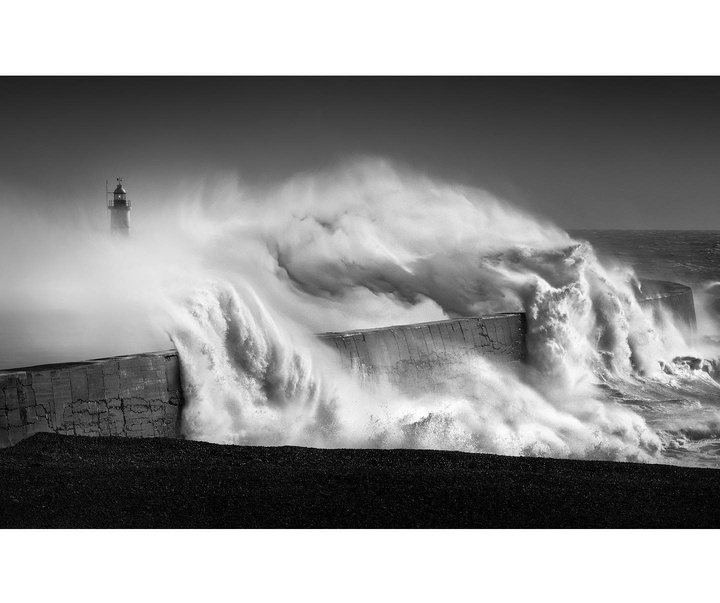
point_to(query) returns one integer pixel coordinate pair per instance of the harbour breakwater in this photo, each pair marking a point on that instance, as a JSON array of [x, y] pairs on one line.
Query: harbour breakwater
[[133, 396], [141, 395], [673, 298], [403, 353]]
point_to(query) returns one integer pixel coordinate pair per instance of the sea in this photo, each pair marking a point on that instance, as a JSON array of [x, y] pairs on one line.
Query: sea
[[585, 393], [692, 258]]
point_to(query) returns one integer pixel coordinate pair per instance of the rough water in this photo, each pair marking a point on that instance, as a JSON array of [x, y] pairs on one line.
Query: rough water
[[369, 246], [240, 279], [685, 409]]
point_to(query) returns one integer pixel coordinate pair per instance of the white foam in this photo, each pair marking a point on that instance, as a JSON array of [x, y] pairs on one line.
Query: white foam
[[241, 279]]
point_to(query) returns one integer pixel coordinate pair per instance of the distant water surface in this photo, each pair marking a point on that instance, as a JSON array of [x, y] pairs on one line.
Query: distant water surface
[[692, 412], [691, 257]]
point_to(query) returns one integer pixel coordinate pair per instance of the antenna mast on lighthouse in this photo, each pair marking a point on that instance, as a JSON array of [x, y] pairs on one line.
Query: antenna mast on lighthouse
[[119, 207]]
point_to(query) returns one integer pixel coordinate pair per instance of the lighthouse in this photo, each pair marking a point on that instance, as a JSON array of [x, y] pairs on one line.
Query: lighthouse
[[119, 207]]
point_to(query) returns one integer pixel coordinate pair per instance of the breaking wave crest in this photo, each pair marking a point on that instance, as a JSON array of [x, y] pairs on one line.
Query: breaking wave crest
[[250, 382], [368, 245]]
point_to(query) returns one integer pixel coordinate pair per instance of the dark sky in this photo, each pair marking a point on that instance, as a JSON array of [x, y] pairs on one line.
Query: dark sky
[[585, 152]]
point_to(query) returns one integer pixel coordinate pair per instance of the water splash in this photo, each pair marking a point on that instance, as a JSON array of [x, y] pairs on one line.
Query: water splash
[[369, 237], [241, 281]]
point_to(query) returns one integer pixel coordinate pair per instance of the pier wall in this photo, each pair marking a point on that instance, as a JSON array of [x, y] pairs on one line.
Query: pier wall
[[132, 396], [141, 395], [672, 298], [405, 353]]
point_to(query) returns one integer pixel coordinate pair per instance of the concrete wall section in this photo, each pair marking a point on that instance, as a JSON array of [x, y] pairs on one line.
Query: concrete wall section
[[131, 396], [404, 352], [140, 395], [674, 298], [409, 351]]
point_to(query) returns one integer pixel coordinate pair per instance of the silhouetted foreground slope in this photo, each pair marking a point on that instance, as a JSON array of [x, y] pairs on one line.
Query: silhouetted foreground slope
[[73, 482]]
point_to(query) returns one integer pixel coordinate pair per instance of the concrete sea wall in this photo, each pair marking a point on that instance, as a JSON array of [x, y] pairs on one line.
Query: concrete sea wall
[[672, 298], [133, 396], [404, 353], [141, 395]]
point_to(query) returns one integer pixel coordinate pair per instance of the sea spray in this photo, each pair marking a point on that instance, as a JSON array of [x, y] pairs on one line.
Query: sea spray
[[369, 235], [247, 381], [241, 281]]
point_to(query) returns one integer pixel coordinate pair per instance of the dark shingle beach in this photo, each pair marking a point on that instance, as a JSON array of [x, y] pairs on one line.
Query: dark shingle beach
[[52, 481]]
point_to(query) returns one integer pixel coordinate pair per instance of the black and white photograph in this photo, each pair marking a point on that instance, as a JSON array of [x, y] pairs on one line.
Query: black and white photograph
[[273, 300]]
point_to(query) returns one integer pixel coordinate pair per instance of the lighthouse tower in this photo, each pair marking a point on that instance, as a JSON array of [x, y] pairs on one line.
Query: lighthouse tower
[[119, 207]]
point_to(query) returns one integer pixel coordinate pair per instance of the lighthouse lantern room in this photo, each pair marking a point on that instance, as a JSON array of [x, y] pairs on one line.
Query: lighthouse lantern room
[[119, 207]]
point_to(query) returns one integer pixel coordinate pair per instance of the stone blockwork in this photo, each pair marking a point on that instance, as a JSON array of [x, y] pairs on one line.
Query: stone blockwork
[[132, 396], [409, 352]]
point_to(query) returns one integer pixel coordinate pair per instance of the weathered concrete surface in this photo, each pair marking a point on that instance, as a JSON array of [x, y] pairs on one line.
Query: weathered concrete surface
[[132, 396], [405, 353]]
